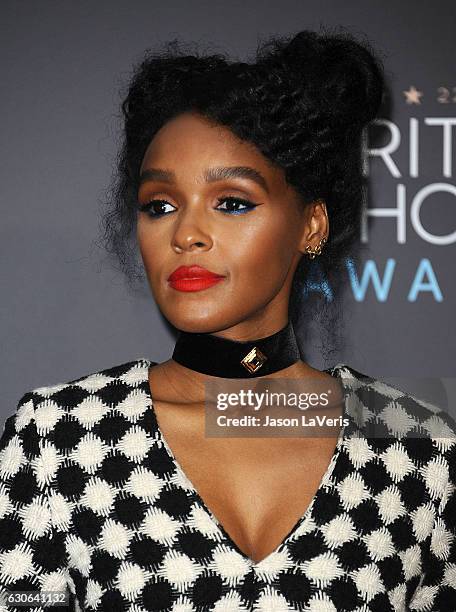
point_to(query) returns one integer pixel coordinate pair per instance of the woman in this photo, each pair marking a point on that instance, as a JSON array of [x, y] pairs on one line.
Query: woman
[[237, 178]]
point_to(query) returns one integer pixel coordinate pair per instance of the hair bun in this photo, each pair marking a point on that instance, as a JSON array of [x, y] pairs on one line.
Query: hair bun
[[348, 74]]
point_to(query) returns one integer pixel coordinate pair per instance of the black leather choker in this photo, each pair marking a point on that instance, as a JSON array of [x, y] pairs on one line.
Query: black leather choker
[[218, 356]]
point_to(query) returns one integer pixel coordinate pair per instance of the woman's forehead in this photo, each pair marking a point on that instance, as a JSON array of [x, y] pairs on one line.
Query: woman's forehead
[[192, 140]]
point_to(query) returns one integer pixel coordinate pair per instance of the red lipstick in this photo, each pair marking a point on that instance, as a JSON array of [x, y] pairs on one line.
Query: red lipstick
[[193, 278]]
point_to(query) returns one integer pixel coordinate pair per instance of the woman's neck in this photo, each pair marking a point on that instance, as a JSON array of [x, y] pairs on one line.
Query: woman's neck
[[174, 383]]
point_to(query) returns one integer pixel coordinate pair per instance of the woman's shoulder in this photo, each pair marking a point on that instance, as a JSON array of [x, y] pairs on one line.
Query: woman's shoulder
[[89, 396], [81, 419], [384, 409], [113, 378]]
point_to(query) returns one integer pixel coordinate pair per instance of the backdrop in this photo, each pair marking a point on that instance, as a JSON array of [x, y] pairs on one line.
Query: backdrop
[[65, 313]]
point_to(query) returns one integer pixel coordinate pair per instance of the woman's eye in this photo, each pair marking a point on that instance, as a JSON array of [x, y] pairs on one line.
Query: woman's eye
[[155, 208], [233, 204], [229, 205]]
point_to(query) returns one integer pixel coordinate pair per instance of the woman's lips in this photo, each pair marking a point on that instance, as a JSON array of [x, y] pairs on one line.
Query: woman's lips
[[193, 278], [194, 284]]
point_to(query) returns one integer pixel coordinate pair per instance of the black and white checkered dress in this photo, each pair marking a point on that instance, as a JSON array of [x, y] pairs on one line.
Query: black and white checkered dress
[[94, 503]]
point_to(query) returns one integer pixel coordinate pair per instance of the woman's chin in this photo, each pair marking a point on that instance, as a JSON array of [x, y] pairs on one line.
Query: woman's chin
[[206, 323]]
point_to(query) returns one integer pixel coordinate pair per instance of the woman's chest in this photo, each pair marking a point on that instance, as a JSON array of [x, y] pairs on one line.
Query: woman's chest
[[257, 487], [142, 533]]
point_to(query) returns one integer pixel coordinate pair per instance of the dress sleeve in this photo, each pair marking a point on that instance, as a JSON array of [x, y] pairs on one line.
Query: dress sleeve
[[32, 551], [437, 592], [443, 547]]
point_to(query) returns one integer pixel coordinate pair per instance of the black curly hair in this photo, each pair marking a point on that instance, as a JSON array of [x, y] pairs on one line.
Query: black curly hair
[[303, 102]]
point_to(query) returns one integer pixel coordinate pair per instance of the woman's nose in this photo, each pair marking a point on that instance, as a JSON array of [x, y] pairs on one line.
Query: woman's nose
[[191, 231]]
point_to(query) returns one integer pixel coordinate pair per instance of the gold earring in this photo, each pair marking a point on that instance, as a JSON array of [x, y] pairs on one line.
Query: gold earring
[[317, 251]]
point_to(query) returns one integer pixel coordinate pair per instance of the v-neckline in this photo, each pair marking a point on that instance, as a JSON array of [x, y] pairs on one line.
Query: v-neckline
[[339, 371]]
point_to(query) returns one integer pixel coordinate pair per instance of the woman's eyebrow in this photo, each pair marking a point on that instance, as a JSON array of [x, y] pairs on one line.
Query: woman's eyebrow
[[211, 175]]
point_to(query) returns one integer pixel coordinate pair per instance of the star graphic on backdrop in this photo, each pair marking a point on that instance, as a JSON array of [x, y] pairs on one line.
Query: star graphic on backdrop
[[412, 95]]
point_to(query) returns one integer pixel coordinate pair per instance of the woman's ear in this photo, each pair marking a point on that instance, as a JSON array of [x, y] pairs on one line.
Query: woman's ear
[[316, 225]]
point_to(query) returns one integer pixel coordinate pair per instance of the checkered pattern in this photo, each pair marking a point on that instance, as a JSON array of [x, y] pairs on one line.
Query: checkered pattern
[[92, 501]]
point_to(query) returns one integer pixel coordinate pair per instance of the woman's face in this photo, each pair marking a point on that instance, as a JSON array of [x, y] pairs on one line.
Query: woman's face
[[247, 227]]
